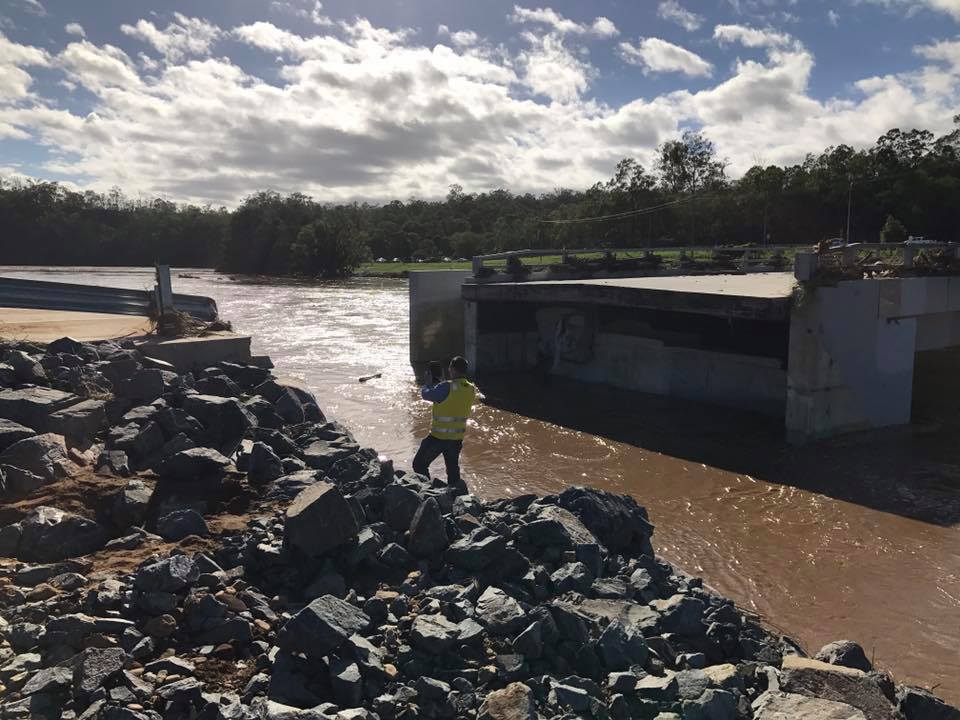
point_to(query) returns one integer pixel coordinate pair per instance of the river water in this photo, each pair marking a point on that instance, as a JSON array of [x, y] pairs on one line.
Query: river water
[[856, 539]]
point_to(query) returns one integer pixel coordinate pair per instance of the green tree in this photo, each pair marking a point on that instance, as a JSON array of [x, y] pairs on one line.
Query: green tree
[[893, 231], [327, 249]]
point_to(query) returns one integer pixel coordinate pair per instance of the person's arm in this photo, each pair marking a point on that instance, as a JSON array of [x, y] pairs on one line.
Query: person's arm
[[435, 393]]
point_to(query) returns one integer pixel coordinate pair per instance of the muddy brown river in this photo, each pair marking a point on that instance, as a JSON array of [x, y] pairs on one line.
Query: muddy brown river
[[858, 539]]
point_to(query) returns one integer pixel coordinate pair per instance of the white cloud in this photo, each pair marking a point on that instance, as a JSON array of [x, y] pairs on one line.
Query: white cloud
[[356, 111], [659, 56], [672, 10], [182, 37], [833, 17], [947, 51], [15, 82], [751, 37], [553, 70], [34, 7], [600, 27], [950, 7], [460, 38], [75, 29]]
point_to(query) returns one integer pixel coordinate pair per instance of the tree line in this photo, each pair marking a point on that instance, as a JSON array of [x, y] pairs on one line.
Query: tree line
[[908, 183]]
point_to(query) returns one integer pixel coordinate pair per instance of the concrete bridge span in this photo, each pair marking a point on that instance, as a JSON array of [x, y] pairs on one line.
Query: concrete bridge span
[[822, 358]]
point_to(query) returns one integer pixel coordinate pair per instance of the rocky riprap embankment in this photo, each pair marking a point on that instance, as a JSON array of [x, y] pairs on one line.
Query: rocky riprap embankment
[[232, 554]]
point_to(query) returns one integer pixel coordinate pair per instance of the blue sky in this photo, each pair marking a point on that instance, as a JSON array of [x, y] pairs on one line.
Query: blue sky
[[368, 99]]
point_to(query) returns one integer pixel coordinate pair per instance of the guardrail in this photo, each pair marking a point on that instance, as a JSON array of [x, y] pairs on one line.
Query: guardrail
[[879, 256], [743, 258], [44, 295]]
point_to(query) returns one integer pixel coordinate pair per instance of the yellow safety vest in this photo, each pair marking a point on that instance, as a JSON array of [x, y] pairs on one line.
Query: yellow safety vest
[[450, 416]]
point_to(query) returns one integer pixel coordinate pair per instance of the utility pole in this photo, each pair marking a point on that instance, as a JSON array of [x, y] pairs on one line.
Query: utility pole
[[849, 199]]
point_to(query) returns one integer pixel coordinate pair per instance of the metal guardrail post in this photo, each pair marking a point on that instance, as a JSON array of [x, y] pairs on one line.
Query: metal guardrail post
[[164, 290]]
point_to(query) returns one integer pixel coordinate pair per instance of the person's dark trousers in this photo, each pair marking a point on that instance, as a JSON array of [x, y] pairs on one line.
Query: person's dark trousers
[[430, 449]]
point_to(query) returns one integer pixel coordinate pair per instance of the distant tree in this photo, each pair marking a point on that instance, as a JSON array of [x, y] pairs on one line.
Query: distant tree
[[468, 243], [893, 231], [689, 164], [327, 249]]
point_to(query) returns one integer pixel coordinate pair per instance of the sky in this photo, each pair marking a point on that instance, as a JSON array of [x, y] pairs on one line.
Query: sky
[[208, 102]]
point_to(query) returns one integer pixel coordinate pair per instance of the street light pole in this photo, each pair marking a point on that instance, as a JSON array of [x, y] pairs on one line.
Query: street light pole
[[849, 198]]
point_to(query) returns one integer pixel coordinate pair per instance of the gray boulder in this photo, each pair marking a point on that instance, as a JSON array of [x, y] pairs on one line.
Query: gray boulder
[[919, 704], [11, 432], [617, 521], [129, 506], [26, 368], [500, 613], [95, 667], [400, 504], [224, 420], [428, 532], [49, 534], [321, 627], [622, 646], [81, 421], [814, 678], [144, 385], [434, 634], [318, 520], [17, 482], [265, 466], [44, 455], [774, 705], [846, 653], [177, 525], [32, 406], [169, 575], [193, 464]]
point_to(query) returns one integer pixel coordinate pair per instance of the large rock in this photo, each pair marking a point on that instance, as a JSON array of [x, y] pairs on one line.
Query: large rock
[[616, 520], [514, 702], [773, 705], [919, 704], [813, 678], [434, 634], [622, 646], [139, 442], [318, 520], [129, 506], [11, 432], [428, 532], [400, 504], [17, 482], [193, 464], [500, 613], [552, 525], [94, 667], [32, 406], [264, 466], [27, 369], [321, 627], [48, 534], [144, 385], [169, 575], [44, 455], [81, 421], [177, 525], [224, 419], [846, 653]]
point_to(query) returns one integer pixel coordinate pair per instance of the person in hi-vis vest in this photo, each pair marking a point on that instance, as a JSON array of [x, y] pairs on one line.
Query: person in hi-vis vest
[[452, 401]]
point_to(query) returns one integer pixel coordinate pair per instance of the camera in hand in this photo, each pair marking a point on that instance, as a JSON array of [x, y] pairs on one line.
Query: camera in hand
[[436, 371]]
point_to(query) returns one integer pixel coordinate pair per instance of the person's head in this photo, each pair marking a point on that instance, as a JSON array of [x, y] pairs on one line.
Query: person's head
[[458, 367]]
